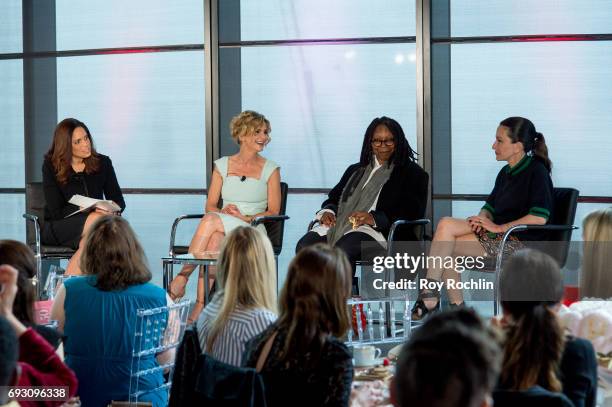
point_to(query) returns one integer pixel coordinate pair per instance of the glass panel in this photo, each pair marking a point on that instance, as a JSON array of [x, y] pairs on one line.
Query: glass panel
[[310, 19], [517, 17], [11, 117], [118, 23], [12, 224], [146, 111], [564, 88], [151, 217], [323, 98], [10, 26]]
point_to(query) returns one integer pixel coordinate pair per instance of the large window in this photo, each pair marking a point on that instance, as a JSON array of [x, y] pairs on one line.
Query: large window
[[144, 110], [563, 87], [320, 95], [134, 23]]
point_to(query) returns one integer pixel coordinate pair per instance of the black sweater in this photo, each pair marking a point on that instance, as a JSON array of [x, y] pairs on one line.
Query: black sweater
[[100, 185]]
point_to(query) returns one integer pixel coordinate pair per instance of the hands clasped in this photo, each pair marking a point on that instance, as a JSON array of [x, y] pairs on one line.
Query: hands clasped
[[478, 223]]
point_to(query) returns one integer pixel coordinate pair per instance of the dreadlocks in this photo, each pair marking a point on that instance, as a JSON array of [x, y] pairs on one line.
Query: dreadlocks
[[403, 152]]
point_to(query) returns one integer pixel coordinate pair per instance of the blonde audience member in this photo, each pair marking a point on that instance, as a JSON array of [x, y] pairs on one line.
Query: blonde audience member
[[246, 302], [596, 275]]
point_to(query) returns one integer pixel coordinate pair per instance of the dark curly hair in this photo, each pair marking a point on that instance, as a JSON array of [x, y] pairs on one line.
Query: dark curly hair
[[403, 152]]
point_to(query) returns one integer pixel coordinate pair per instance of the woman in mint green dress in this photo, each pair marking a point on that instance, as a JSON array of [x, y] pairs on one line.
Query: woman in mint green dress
[[249, 185]]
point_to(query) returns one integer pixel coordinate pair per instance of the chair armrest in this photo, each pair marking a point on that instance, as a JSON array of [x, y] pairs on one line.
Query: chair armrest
[[272, 218], [500, 253], [520, 228], [402, 222], [34, 219], [175, 226]]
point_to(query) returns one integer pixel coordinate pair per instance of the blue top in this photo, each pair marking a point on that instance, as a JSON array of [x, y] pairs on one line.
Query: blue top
[[99, 333]]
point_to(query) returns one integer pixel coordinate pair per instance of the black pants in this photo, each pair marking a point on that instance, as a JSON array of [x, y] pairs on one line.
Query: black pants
[[351, 244]]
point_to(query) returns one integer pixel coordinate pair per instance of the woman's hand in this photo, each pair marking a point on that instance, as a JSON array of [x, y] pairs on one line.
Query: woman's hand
[[233, 210], [361, 218], [481, 222], [328, 219]]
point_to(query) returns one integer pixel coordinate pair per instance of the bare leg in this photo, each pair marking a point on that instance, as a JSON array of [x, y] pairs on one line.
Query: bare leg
[[74, 266], [451, 231], [213, 245], [210, 224]]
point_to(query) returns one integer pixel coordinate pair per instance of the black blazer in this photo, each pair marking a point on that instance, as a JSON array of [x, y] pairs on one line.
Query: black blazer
[[404, 196], [579, 372], [100, 185]]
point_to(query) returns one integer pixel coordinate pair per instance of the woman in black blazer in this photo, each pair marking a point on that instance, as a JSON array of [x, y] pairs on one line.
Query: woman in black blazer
[[73, 166], [385, 185]]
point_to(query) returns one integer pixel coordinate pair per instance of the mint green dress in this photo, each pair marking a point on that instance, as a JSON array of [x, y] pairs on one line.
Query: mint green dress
[[250, 195]]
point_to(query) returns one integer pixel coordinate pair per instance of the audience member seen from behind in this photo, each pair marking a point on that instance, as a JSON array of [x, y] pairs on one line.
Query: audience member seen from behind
[[523, 194], [26, 359], [595, 277], [97, 313], [308, 364], [249, 185], [72, 166], [452, 360], [21, 257], [245, 305], [385, 185], [538, 356]]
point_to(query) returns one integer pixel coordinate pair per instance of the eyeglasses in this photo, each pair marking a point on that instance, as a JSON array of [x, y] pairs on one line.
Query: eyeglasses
[[388, 142]]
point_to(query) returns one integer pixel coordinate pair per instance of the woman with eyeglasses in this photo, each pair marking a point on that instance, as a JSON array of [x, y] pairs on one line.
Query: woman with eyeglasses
[[385, 185], [249, 185]]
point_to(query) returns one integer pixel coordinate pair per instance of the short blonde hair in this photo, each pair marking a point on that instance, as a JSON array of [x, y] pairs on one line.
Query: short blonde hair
[[247, 121], [246, 270], [597, 256]]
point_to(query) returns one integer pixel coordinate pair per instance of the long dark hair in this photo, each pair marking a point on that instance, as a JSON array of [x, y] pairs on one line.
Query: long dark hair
[[523, 130], [21, 257], [530, 285], [60, 152], [313, 299], [403, 152], [112, 253]]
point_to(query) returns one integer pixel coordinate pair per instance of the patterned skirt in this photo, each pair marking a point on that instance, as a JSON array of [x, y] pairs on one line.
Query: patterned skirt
[[491, 241]]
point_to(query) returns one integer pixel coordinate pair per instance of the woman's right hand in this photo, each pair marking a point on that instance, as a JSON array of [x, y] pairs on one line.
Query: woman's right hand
[[328, 219], [475, 224]]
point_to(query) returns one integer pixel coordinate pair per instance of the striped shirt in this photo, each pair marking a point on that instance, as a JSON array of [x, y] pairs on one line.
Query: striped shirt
[[242, 325]]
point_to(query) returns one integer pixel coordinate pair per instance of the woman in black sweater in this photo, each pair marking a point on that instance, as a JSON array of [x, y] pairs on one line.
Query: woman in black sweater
[[308, 364], [385, 185], [72, 166]]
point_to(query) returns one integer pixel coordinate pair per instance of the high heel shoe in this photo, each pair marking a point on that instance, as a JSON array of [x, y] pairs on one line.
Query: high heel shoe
[[420, 310]]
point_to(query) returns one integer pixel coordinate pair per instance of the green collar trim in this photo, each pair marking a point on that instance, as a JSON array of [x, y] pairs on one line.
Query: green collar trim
[[520, 166]]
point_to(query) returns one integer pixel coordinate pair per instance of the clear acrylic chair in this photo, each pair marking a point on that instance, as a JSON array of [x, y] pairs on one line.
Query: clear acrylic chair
[[157, 330], [383, 320]]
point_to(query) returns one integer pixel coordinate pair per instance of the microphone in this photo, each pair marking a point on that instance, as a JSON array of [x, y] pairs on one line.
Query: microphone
[[243, 178]]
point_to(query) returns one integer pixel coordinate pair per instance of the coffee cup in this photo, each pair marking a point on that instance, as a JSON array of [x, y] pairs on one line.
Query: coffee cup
[[365, 355]]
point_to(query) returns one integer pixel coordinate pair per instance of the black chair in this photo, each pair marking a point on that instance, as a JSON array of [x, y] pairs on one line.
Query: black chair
[[275, 228], [559, 228], [35, 216], [533, 397]]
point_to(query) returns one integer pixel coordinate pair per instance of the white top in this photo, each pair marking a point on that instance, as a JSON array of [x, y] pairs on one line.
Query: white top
[[242, 325]]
